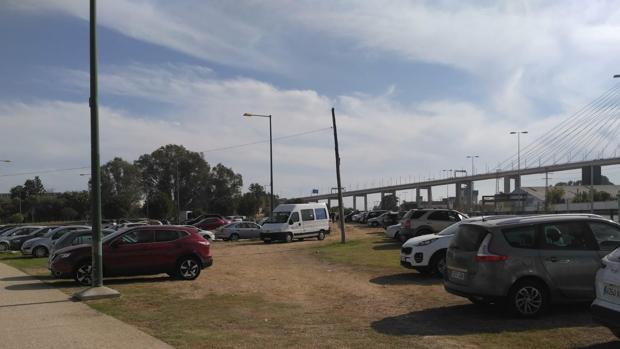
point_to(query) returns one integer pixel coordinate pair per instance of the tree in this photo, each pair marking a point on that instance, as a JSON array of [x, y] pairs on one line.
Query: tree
[[225, 189], [16, 218], [68, 214], [174, 170], [254, 201], [160, 206], [121, 189], [388, 202], [33, 187], [18, 192], [555, 195]]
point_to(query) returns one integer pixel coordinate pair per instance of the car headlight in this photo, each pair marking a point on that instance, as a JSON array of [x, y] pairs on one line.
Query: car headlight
[[426, 242], [64, 255]]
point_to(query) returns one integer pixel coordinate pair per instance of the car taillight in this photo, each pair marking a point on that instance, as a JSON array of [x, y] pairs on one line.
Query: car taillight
[[485, 254]]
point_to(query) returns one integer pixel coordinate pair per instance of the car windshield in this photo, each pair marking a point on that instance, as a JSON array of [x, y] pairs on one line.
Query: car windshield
[[279, 217], [451, 230]]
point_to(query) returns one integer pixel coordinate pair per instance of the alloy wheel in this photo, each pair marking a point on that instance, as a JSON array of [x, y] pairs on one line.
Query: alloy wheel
[[83, 274], [528, 300], [189, 269]]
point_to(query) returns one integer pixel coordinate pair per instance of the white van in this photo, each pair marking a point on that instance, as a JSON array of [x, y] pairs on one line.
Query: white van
[[296, 221]]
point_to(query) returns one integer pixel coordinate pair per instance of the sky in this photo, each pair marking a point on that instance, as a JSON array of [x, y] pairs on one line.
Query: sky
[[416, 85]]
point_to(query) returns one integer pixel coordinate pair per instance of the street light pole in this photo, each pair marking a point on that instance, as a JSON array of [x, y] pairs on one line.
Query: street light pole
[[270, 158], [96, 291]]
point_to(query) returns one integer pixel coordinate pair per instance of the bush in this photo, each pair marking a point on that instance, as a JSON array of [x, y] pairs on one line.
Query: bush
[[16, 218]]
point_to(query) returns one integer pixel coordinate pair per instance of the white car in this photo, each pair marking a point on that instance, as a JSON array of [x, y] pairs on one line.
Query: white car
[[393, 231], [606, 306], [427, 253]]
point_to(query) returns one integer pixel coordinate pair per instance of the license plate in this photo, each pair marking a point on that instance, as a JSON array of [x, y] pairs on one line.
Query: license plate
[[458, 275], [612, 293]]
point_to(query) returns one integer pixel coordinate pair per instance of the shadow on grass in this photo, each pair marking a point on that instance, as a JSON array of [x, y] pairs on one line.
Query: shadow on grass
[[387, 246], [69, 283], [28, 258], [471, 319], [406, 279], [608, 345]]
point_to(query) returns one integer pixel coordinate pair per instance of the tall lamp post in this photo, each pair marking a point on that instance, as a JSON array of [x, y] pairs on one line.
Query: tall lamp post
[[270, 158], [97, 290]]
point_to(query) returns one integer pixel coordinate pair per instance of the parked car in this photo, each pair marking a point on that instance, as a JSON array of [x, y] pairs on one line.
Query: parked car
[[15, 242], [145, 250], [211, 223], [393, 232], [238, 230], [10, 234], [76, 237], [295, 221], [202, 217], [204, 233], [357, 217], [529, 262], [381, 219], [427, 253], [349, 217], [40, 247], [370, 215], [5, 228], [428, 221], [606, 306], [130, 225]]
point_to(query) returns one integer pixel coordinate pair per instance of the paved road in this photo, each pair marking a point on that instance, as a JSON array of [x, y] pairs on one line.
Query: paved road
[[35, 315]]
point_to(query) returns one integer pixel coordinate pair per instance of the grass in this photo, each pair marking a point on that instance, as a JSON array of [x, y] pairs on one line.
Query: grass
[[372, 251]]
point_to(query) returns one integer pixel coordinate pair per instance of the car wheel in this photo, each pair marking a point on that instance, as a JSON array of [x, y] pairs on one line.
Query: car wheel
[[438, 263], [289, 237], [528, 298], [188, 268], [233, 237], [40, 252], [83, 274], [321, 235], [4, 247]]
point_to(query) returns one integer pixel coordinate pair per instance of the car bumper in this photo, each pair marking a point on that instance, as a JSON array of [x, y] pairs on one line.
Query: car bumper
[[207, 262], [61, 268], [273, 236], [605, 316], [467, 292]]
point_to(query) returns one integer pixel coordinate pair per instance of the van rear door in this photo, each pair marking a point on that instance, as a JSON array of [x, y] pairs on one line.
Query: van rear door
[[461, 255]]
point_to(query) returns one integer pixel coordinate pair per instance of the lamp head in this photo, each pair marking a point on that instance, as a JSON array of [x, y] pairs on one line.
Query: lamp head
[[247, 114]]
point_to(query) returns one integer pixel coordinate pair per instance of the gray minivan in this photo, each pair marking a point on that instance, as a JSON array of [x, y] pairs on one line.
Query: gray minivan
[[530, 261]]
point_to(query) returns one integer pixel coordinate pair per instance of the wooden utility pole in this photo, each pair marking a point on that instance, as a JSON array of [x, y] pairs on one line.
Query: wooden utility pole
[[340, 206]]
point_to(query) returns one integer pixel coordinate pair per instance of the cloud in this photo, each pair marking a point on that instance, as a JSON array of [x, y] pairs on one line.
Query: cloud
[[378, 135]]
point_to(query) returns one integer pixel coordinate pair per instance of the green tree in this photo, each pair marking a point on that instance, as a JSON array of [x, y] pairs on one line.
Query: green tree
[[225, 189], [16, 218], [160, 206], [555, 195], [121, 189], [174, 170], [68, 213], [33, 187], [389, 202]]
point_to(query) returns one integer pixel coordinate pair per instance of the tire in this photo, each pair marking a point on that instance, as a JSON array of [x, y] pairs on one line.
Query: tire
[[4, 247], [83, 274], [188, 268], [438, 263], [528, 299], [289, 237], [321, 235], [233, 237], [40, 252]]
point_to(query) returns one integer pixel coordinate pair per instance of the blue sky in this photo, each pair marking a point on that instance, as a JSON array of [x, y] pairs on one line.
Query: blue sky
[[417, 86]]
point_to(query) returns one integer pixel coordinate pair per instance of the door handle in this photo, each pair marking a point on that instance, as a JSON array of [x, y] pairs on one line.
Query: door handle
[[558, 260]]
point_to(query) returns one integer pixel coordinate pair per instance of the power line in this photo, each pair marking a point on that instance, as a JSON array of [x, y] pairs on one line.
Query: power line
[[266, 141], [44, 171], [206, 151]]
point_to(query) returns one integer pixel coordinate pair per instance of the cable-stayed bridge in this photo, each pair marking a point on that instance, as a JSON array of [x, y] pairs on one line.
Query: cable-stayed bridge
[[587, 140]]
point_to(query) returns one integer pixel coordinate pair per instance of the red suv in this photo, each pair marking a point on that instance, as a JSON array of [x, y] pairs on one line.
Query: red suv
[[178, 251], [211, 223]]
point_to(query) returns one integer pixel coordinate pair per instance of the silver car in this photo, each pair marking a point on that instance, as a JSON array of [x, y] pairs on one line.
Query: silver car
[[238, 230], [40, 247], [529, 262], [7, 236]]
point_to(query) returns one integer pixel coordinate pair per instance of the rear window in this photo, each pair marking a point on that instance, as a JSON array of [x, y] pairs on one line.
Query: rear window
[[417, 214], [320, 213], [468, 237], [521, 237]]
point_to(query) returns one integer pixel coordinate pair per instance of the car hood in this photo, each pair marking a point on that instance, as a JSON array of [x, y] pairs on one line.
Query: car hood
[[34, 241], [413, 241]]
